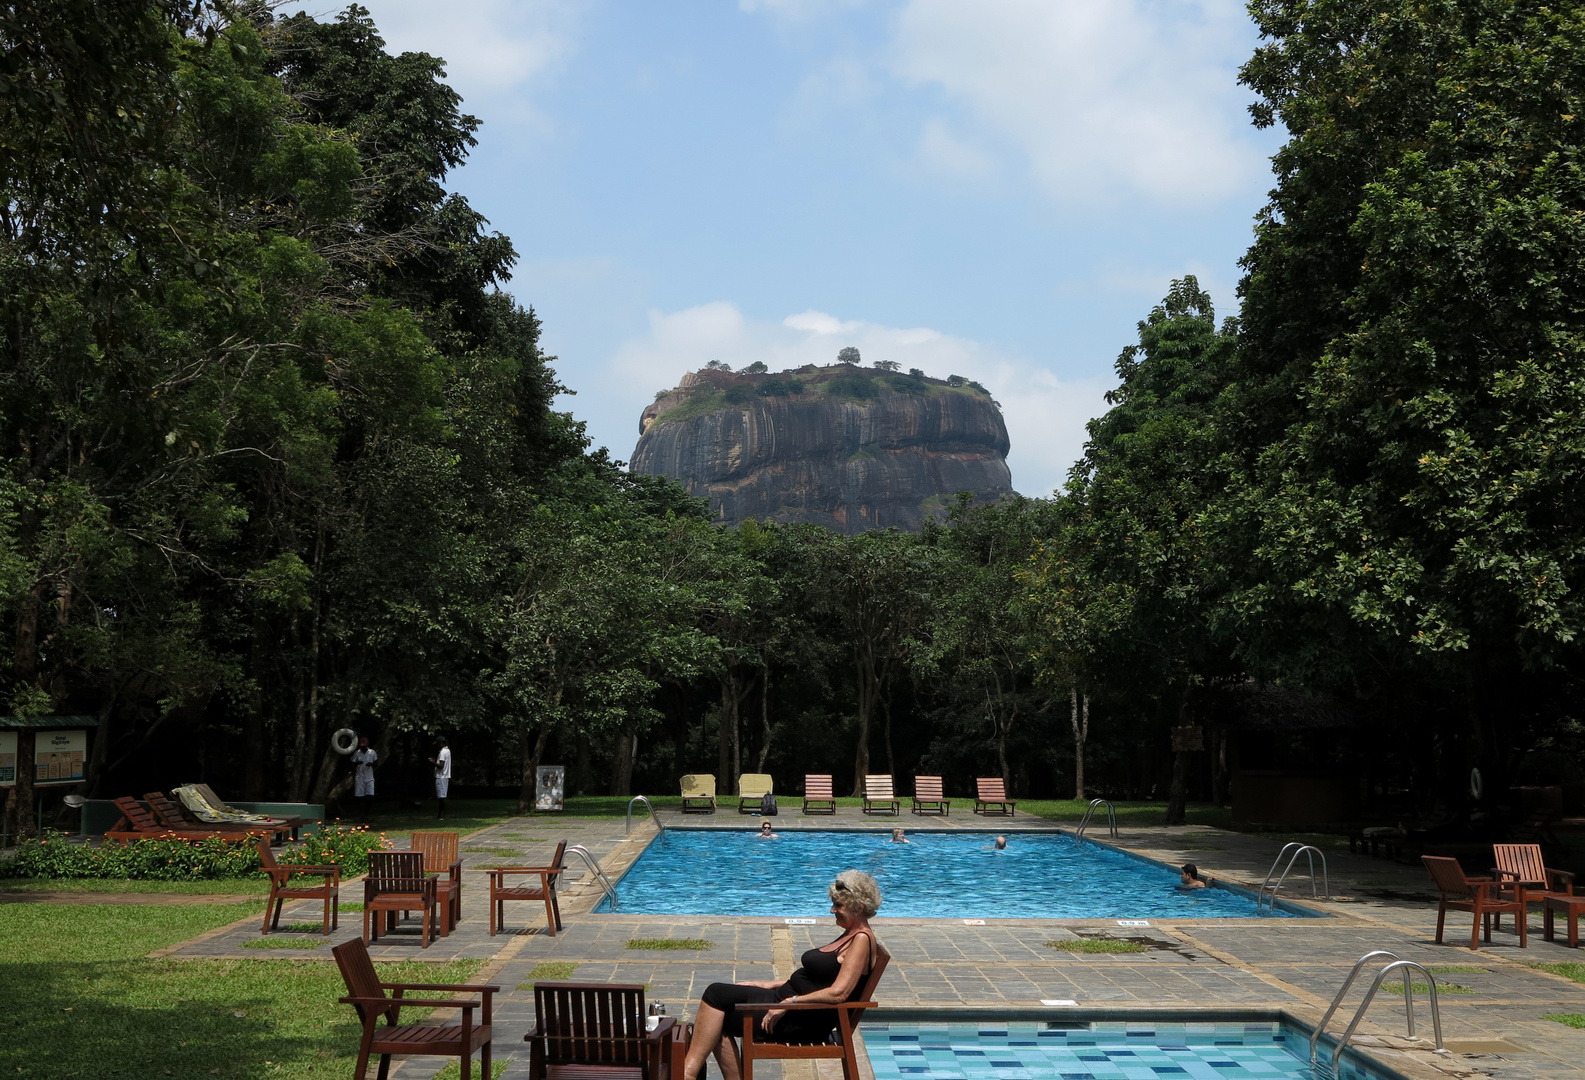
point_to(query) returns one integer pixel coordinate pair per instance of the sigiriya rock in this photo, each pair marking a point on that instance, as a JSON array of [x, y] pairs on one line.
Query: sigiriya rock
[[847, 447]]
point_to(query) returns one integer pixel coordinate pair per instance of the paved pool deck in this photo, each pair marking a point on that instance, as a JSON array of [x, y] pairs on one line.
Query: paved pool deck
[[1494, 1024]]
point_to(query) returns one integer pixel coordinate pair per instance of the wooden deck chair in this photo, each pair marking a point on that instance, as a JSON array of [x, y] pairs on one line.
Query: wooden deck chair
[[207, 794], [928, 796], [817, 789], [1523, 863], [328, 889], [751, 788], [849, 1013], [396, 885], [1479, 896], [137, 823], [442, 859], [545, 891], [878, 796], [588, 1031], [698, 793], [172, 814], [993, 792], [366, 994]]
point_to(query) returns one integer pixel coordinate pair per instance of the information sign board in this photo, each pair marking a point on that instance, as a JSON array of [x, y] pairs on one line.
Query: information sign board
[[551, 788], [8, 759], [58, 756]]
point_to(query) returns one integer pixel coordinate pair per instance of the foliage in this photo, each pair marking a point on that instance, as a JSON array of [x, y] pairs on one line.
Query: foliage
[[1096, 945], [53, 856], [336, 844], [661, 944], [848, 355]]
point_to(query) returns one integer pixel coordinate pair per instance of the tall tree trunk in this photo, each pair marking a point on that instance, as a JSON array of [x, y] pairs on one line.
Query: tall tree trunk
[[1219, 766], [1080, 720], [622, 765], [26, 772], [530, 751], [255, 749], [864, 669], [886, 725], [764, 715], [27, 673], [1178, 800], [97, 757]]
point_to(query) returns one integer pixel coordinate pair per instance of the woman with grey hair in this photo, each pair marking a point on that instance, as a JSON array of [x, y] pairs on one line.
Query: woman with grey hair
[[833, 972]]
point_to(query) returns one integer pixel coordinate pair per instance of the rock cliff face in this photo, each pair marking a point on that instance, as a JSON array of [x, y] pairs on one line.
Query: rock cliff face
[[849, 448]]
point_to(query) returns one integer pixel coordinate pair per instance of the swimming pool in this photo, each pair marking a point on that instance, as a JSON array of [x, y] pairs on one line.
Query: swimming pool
[[938, 875], [1099, 1050]]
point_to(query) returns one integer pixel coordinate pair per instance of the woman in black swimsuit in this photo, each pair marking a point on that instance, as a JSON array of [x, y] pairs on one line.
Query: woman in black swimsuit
[[834, 972]]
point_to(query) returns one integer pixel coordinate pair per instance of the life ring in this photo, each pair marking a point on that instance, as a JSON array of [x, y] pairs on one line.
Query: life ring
[[344, 747], [1476, 785]]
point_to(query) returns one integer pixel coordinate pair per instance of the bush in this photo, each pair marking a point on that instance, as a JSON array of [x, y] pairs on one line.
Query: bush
[[54, 857], [855, 386], [780, 387]]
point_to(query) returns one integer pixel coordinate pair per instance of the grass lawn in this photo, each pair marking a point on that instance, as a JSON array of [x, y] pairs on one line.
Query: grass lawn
[[83, 1000]]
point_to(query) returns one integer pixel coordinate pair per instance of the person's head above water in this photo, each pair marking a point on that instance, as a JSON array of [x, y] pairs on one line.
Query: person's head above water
[[855, 893], [1191, 876], [764, 826], [1001, 842], [1189, 870], [898, 837]]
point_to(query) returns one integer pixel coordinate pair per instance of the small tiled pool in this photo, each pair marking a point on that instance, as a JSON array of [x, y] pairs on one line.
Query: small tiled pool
[[1097, 1050], [939, 875]]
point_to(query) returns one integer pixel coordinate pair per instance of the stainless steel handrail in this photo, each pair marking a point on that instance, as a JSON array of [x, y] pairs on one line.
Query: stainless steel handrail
[[628, 827], [1307, 850], [1408, 998], [1315, 1036], [1111, 817], [600, 879]]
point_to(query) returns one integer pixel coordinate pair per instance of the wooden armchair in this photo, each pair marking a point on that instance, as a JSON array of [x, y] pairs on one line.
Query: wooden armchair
[[442, 859], [929, 797], [849, 1013], [545, 891], [817, 789], [587, 1031], [992, 791], [1523, 863], [396, 885], [366, 994], [328, 888], [878, 796], [1479, 896]]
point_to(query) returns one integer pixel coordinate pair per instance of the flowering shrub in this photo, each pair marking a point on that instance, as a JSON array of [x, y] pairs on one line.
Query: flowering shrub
[[172, 859]]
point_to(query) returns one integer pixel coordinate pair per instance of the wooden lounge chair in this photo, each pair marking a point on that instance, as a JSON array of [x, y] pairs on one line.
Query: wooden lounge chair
[[849, 1013], [545, 891], [751, 788], [137, 823], [817, 789], [878, 796], [218, 806], [928, 796], [281, 889], [1523, 863], [589, 1031], [174, 815], [366, 994], [442, 859], [1479, 896], [396, 885], [993, 792], [698, 793]]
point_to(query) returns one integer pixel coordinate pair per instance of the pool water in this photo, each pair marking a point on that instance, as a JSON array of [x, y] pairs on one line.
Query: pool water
[[938, 875], [1102, 1050]]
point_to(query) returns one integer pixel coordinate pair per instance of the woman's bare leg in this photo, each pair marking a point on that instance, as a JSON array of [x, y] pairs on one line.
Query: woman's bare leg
[[726, 1058], [706, 1040]]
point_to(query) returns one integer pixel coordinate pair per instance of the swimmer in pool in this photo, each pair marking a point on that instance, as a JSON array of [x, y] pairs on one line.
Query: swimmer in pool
[[899, 838], [1190, 875], [1000, 845], [765, 832]]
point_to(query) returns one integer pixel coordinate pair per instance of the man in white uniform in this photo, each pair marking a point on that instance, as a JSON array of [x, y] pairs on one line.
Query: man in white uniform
[[363, 759], [442, 763]]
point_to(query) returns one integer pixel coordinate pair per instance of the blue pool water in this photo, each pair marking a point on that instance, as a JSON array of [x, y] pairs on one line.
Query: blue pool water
[[939, 875], [1093, 1051]]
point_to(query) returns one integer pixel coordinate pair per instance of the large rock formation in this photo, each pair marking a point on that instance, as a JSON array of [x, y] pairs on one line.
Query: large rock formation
[[846, 447]]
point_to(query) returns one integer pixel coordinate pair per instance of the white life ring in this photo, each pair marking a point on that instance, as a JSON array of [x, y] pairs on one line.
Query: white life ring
[[344, 741], [1476, 785]]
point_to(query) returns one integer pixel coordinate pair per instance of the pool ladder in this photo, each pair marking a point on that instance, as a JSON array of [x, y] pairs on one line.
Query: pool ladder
[[607, 886], [1111, 817], [1359, 1014], [1297, 849], [628, 828]]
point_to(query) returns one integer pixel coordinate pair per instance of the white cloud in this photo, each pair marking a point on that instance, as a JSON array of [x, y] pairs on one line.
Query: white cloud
[[491, 47], [1045, 415], [1094, 94]]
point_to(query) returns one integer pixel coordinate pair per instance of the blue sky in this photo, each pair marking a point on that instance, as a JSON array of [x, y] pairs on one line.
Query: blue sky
[[998, 189]]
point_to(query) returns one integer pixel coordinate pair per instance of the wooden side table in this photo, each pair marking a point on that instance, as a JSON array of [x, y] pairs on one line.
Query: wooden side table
[[1571, 907]]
